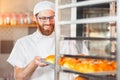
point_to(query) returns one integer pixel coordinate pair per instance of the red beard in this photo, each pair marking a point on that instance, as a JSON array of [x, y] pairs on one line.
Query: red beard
[[47, 31]]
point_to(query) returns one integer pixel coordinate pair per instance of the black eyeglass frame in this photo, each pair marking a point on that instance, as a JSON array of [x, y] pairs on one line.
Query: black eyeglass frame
[[45, 19]]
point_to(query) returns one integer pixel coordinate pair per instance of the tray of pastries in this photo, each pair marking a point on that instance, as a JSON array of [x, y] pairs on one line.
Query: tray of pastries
[[89, 66]]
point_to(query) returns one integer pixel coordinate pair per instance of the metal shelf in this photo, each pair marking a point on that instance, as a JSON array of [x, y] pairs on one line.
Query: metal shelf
[[85, 3], [105, 75], [93, 76], [88, 38], [90, 57]]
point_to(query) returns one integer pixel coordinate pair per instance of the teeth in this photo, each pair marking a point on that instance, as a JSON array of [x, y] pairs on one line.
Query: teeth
[[46, 27]]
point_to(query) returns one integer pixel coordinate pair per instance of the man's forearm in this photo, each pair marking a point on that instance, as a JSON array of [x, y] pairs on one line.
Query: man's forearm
[[28, 71], [25, 73]]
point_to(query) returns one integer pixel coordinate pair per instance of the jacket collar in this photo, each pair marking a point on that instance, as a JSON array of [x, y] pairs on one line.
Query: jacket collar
[[38, 35]]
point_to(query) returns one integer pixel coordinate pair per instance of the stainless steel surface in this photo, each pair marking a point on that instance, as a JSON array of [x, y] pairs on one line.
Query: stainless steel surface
[[85, 3], [57, 39], [90, 20], [118, 39], [112, 18]]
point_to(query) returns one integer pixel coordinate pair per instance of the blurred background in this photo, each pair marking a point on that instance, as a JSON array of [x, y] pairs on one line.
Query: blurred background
[[16, 21]]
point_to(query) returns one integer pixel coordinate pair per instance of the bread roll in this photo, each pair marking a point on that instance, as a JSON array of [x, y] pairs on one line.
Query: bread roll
[[70, 63], [50, 59], [80, 78]]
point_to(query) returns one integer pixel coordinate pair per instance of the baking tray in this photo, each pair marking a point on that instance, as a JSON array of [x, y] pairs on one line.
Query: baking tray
[[48, 63], [65, 69], [105, 75], [89, 38], [90, 57], [92, 73]]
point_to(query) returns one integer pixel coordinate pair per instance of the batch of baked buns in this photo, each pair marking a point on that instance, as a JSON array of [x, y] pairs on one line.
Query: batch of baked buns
[[84, 65]]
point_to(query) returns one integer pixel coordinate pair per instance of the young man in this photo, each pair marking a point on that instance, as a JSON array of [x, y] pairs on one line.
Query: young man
[[28, 51]]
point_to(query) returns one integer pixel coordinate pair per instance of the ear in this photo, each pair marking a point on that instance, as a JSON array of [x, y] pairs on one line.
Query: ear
[[34, 19]]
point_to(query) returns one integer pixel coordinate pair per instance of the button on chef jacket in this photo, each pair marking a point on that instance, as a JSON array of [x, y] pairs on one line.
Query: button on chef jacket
[[36, 44]]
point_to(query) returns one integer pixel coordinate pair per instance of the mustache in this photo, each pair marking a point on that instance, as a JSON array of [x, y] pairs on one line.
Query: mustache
[[47, 24]]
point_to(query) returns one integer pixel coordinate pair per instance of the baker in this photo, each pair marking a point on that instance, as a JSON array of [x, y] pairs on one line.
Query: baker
[[28, 51]]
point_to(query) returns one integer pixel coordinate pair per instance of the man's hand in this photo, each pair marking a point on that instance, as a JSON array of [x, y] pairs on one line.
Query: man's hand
[[38, 61]]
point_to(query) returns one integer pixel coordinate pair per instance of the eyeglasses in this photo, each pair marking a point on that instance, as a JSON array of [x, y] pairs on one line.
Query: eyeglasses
[[45, 19]]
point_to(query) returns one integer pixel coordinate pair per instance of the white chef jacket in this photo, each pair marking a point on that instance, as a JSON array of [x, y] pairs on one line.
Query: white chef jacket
[[36, 44]]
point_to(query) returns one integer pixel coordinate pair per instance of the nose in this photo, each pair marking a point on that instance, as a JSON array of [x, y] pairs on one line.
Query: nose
[[48, 21]]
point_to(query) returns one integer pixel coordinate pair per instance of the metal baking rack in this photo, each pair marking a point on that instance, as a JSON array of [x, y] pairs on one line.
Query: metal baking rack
[[105, 75], [109, 19], [88, 38], [90, 57], [94, 76]]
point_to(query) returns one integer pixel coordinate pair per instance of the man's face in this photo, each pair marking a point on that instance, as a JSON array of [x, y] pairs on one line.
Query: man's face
[[46, 22]]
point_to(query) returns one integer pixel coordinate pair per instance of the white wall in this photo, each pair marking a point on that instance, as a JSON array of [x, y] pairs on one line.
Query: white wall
[[17, 5]]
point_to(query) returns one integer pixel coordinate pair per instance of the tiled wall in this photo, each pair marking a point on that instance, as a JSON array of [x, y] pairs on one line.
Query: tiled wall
[[8, 36], [6, 46]]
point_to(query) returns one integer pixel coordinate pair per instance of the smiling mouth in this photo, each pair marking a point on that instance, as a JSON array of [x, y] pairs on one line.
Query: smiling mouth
[[46, 27]]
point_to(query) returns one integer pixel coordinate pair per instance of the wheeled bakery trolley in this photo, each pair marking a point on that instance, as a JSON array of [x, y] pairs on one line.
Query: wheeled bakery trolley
[[68, 8]]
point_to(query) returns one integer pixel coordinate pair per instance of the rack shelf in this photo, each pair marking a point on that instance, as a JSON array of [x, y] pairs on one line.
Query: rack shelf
[[90, 57], [88, 38], [103, 76]]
